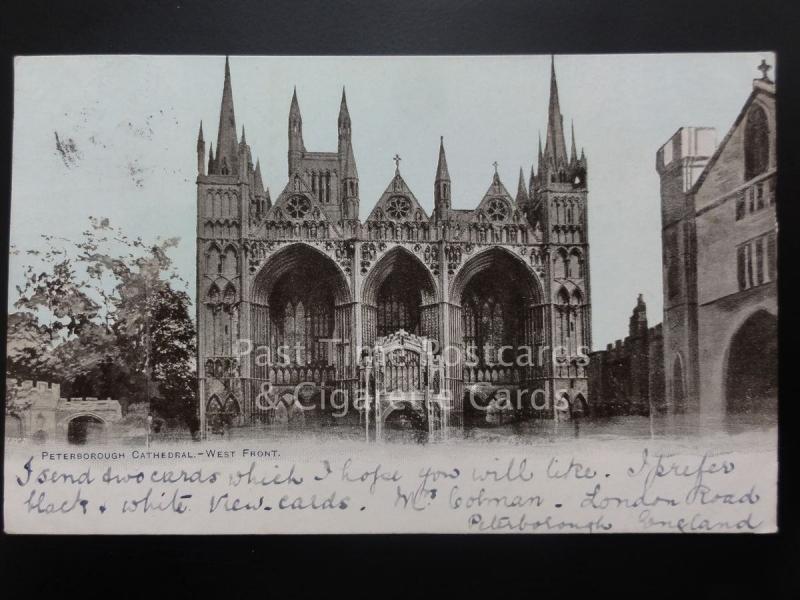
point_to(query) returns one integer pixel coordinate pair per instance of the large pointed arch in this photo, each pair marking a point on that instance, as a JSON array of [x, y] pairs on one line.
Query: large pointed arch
[[399, 258], [527, 280], [751, 365], [290, 258]]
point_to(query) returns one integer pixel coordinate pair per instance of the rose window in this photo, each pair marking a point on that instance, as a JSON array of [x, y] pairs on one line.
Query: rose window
[[398, 207], [498, 211], [298, 207]]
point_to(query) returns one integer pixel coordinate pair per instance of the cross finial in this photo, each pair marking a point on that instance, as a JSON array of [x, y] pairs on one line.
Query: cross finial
[[764, 68], [397, 160], [495, 165]]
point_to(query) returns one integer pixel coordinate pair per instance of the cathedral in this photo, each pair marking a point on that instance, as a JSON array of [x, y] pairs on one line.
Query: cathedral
[[298, 292]]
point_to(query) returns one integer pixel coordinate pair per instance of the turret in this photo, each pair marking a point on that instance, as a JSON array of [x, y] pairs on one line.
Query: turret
[[442, 188], [522, 198], [638, 320], [201, 152], [296, 146], [345, 130], [226, 161]]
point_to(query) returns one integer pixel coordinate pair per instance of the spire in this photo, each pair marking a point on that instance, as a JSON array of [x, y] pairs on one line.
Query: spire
[[344, 114], [522, 192], [226, 135], [442, 174], [296, 145], [573, 155], [244, 138], [258, 182], [350, 171], [201, 152], [555, 147], [294, 110], [210, 158]]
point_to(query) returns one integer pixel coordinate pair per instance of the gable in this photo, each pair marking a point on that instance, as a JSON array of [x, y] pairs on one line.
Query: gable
[[398, 203], [296, 203], [725, 170]]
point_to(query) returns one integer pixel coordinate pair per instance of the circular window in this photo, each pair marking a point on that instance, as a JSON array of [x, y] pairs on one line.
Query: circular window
[[298, 207], [398, 207], [498, 211]]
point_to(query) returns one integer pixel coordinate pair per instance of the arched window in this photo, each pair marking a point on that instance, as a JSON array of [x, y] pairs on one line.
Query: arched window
[[399, 300], [756, 143], [575, 264], [561, 265]]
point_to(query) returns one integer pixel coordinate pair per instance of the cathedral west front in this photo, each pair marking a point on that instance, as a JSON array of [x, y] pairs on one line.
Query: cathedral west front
[[296, 292]]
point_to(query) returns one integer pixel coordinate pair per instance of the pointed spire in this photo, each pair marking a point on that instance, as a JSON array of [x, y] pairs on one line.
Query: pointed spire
[[555, 147], [200, 139], [244, 138], [350, 171], [258, 182], [296, 146], [294, 111], [210, 158], [226, 135], [442, 174], [522, 192], [573, 155], [344, 114]]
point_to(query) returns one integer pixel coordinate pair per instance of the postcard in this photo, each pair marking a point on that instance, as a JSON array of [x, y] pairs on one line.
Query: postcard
[[393, 294]]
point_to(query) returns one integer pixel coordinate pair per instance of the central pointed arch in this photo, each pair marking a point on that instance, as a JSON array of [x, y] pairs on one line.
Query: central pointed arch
[[400, 292]]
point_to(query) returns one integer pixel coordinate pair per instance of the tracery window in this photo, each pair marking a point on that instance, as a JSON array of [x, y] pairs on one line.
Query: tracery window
[[399, 300], [298, 207], [756, 143], [490, 320], [301, 312], [398, 207], [498, 211]]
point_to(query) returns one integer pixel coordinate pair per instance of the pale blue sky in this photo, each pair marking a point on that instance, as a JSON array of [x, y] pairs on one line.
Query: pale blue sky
[[134, 122]]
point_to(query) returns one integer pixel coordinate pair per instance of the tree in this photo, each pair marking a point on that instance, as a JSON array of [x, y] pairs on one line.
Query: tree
[[101, 316]]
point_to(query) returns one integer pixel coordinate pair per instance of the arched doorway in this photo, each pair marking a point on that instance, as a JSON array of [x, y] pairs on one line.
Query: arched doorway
[[751, 376], [84, 429], [678, 386], [399, 293], [302, 314], [499, 323]]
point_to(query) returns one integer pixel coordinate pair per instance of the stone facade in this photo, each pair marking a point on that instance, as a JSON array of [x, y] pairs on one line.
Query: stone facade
[[302, 270], [719, 233], [628, 376], [35, 410]]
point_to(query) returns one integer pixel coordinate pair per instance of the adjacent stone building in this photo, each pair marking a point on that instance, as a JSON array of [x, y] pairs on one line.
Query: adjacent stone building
[[35, 410], [303, 271], [627, 378], [719, 235]]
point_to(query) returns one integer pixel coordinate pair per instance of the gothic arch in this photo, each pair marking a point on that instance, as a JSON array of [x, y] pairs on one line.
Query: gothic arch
[[756, 142], [230, 260], [289, 258], [750, 374], [560, 264], [213, 294], [387, 264], [530, 285], [575, 264], [213, 256]]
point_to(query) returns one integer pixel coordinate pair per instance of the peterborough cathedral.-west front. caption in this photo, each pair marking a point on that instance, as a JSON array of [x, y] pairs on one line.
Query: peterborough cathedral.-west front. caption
[[481, 287]]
